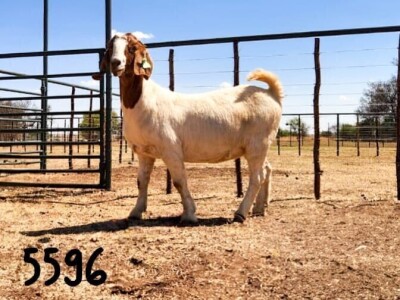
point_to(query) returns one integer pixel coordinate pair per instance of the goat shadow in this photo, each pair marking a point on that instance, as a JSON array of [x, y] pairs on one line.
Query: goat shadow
[[123, 224]]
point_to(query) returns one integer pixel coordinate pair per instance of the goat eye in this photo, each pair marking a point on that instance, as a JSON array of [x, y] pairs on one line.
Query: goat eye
[[131, 50]]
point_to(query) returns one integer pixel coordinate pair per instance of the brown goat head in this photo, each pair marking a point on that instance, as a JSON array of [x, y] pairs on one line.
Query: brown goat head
[[126, 56]]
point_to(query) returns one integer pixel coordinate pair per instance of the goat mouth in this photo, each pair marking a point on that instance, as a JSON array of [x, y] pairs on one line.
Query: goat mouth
[[118, 72]]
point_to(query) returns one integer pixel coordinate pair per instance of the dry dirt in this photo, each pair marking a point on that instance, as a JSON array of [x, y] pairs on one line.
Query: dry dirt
[[345, 246]]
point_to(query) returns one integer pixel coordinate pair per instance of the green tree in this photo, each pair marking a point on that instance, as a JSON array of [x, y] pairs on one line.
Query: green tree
[[283, 132], [295, 124], [94, 121], [10, 107], [348, 131], [326, 133], [379, 97]]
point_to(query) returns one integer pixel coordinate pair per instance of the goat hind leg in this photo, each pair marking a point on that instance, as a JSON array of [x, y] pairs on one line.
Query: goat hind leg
[[146, 165], [257, 177], [264, 195]]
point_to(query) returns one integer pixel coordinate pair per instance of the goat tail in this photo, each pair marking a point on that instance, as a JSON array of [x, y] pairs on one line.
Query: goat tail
[[275, 86]]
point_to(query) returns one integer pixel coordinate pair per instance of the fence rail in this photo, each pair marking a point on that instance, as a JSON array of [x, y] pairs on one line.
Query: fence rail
[[278, 36], [42, 136], [377, 133], [318, 68]]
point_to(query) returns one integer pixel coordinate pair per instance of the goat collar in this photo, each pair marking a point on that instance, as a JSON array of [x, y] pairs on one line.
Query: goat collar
[[131, 87]]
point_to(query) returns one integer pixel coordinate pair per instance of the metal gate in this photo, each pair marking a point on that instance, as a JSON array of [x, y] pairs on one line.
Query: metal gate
[[39, 141], [43, 147]]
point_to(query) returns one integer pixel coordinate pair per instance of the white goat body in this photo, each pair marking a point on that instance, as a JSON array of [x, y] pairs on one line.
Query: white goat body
[[210, 127]]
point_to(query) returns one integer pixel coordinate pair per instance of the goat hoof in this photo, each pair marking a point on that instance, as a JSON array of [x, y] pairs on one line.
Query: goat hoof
[[239, 218], [257, 213], [134, 216], [188, 220], [136, 213]]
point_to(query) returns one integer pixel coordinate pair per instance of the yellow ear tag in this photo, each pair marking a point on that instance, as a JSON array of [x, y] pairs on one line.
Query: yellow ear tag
[[145, 64]]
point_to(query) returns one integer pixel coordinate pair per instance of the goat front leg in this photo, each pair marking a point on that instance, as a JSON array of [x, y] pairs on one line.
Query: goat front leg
[[264, 195], [176, 167], [146, 165], [257, 177]]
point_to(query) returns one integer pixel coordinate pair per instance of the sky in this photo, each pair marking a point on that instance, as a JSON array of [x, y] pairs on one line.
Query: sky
[[348, 63]]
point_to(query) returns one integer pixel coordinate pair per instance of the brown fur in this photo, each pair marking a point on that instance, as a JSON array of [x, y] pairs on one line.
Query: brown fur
[[135, 53], [130, 89]]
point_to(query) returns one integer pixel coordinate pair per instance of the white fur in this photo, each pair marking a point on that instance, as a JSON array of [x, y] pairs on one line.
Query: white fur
[[119, 52], [211, 127]]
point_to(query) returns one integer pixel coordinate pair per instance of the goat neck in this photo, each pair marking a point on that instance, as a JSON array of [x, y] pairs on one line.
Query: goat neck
[[131, 87]]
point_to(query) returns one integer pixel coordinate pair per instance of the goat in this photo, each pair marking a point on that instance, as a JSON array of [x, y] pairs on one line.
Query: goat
[[211, 127]]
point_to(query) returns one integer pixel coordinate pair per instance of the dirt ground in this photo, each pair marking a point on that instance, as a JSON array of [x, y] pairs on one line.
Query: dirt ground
[[345, 246]]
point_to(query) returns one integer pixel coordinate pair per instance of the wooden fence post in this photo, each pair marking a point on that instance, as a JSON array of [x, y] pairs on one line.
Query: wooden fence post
[[337, 134], [278, 141], [317, 166], [172, 88], [377, 135], [299, 135], [239, 184], [329, 135], [398, 125], [358, 134]]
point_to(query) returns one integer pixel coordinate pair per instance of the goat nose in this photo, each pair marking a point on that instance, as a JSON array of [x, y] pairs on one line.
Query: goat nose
[[115, 63]]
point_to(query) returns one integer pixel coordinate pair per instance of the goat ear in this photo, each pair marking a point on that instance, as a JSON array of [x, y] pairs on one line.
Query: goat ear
[[143, 65], [105, 62], [97, 76]]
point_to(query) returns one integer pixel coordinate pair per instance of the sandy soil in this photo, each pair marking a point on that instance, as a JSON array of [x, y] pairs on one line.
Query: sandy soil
[[345, 246]]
